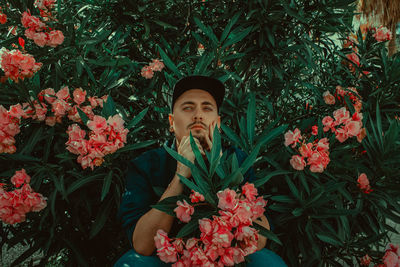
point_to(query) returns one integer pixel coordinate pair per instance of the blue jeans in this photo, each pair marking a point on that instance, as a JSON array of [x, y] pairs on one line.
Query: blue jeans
[[261, 258]]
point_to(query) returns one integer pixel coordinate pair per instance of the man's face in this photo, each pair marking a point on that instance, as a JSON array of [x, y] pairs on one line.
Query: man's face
[[195, 110]]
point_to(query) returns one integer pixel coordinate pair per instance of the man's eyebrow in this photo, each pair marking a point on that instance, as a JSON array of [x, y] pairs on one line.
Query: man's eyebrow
[[187, 103], [207, 103]]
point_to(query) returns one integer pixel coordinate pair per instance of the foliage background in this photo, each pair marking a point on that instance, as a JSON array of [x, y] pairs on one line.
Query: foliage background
[[282, 51]]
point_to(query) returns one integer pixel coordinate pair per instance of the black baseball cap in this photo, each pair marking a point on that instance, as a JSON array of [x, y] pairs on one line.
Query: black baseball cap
[[213, 86]]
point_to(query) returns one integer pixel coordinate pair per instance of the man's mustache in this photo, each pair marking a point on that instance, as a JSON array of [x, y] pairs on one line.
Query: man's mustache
[[197, 123]]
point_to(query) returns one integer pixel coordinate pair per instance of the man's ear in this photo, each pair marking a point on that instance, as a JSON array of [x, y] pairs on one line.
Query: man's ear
[[219, 122], [171, 119]]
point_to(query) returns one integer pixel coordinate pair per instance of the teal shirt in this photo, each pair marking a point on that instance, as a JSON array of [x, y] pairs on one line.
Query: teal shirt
[[151, 170]]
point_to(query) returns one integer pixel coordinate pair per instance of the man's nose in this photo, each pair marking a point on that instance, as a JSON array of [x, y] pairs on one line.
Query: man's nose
[[198, 115]]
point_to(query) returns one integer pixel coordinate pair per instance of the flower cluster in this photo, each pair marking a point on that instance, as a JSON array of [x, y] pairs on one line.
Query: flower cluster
[[349, 126], [225, 240], [392, 256], [17, 65], [105, 137], [37, 31], [15, 204], [9, 127], [316, 153], [382, 34], [52, 106], [363, 183], [148, 70]]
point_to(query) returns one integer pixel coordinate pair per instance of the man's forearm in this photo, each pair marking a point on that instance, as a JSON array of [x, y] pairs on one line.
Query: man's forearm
[[147, 226]]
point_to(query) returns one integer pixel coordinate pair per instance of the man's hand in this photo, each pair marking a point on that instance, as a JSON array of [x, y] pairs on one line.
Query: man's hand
[[185, 150]]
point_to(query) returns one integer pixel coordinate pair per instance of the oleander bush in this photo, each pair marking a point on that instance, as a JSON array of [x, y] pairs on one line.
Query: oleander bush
[[85, 87]]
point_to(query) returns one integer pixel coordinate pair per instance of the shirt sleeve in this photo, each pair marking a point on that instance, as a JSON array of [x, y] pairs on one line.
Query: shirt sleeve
[[137, 198]]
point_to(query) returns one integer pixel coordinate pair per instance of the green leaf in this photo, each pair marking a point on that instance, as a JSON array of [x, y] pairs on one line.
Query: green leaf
[[267, 233], [137, 119], [232, 136], [251, 118], [106, 185], [168, 62], [249, 161], [237, 36], [178, 157], [229, 26], [328, 239], [136, 146], [197, 154], [109, 108], [168, 204], [83, 116], [81, 182], [261, 181], [101, 219], [207, 31]]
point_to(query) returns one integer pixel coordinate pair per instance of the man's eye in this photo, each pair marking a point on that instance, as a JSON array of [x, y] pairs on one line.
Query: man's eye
[[208, 109], [187, 108]]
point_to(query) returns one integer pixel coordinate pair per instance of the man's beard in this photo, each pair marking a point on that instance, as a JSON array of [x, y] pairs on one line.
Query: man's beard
[[202, 139]]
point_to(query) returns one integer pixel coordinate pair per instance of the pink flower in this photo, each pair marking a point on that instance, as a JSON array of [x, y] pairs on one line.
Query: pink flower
[[3, 18], [196, 197], [353, 57], [363, 183], [328, 123], [391, 259], [55, 38], [156, 65], [227, 199], [47, 94], [79, 96], [362, 134], [161, 239], [341, 115], [16, 111], [341, 135], [20, 177], [222, 236], [147, 72], [382, 34], [205, 226], [227, 257], [40, 38], [63, 93], [33, 22], [297, 162], [306, 150], [116, 122], [328, 98], [314, 130], [323, 144], [184, 211], [98, 124], [17, 65], [167, 254], [340, 91], [353, 128], [365, 261], [244, 231], [249, 191], [292, 137]]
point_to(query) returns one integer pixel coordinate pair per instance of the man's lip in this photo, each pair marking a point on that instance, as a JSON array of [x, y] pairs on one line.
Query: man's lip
[[197, 126]]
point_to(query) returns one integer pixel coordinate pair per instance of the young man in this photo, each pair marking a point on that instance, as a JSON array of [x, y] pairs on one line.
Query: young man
[[195, 105]]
